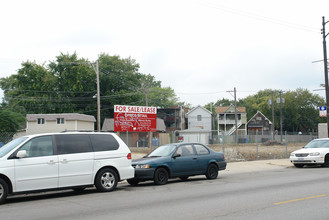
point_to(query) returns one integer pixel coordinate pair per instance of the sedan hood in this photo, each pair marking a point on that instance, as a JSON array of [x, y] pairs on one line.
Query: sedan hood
[[310, 150], [146, 160]]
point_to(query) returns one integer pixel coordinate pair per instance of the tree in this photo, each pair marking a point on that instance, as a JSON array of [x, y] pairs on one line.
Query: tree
[[68, 85], [301, 111], [10, 121]]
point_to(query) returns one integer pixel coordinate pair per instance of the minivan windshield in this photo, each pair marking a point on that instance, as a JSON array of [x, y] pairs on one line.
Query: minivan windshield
[[318, 144], [162, 151], [5, 149]]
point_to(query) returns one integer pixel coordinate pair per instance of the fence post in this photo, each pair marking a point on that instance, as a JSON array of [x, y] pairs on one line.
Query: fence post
[[256, 145], [285, 142], [223, 148]]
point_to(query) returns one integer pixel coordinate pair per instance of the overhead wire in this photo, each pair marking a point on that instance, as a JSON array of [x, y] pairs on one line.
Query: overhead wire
[[243, 13]]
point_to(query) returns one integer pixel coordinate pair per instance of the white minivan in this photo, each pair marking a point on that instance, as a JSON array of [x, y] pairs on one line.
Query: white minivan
[[63, 160]]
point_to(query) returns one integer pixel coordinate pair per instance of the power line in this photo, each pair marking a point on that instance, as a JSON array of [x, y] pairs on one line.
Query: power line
[[257, 17]]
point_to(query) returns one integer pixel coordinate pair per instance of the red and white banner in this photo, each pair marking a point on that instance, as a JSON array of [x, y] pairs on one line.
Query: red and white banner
[[134, 118]]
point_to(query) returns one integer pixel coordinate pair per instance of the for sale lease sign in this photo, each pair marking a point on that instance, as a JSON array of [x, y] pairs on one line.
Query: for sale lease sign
[[134, 118]]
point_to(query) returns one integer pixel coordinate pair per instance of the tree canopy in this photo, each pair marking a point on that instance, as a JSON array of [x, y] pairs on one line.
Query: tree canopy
[[68, 84]]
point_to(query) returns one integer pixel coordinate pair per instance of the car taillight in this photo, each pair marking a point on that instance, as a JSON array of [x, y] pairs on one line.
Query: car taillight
[[129, 156], [223, 157]]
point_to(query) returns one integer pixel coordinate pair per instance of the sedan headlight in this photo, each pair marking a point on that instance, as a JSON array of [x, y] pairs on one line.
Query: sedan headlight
[[315, 154], [292, 154], [143, 166]]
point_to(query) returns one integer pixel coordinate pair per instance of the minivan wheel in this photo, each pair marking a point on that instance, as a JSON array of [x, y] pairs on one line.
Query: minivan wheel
[[3, 191], [212, 172], [161, 176], [106, 180]]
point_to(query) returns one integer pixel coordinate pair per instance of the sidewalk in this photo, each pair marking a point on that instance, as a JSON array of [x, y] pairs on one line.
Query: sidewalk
[[257, 165]]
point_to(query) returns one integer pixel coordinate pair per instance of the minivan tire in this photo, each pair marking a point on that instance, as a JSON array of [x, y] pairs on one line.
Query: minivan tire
[[106, 180], [3, 191]]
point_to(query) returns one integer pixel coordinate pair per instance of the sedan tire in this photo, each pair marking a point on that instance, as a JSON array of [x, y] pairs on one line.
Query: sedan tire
[[161, 176], [106, 180], [212, 172]]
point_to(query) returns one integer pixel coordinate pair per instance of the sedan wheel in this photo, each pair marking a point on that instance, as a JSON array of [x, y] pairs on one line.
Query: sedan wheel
[[326, 160], [161, 176], [106, 180], [212, 172]]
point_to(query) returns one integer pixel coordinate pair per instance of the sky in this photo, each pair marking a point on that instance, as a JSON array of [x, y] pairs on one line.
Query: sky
[[200, 48]]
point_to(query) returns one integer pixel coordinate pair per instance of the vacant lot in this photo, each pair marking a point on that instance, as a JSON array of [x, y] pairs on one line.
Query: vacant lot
[[242, 152]]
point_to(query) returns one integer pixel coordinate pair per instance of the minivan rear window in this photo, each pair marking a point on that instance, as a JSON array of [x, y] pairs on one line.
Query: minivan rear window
[[104, 142], [73, 143]]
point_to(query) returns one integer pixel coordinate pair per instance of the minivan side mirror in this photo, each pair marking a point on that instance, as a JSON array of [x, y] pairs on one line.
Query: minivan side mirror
[[21, 154]]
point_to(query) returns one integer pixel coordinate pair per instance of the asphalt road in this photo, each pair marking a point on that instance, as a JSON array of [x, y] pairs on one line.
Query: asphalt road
[[246, 190]]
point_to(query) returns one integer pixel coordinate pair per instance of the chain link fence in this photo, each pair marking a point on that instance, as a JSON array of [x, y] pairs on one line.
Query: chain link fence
[[6, 137]]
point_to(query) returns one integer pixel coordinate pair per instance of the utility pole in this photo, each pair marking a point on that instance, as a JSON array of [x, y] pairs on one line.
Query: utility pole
[[98, 99], [325, 61], [281, 114], [273, 124], [235, 114]]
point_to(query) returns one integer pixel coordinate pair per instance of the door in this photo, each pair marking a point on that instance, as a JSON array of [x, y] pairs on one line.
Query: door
[[39, 169], [76, 159], [187, 163]]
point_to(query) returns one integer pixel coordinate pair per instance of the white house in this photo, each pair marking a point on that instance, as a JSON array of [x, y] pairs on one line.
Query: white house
[[44, 123], [199, 126], [199, 117]]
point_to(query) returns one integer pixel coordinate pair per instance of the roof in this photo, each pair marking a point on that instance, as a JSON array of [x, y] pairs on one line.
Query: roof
[[226, 108], [258, 112], [66, 116], [108, 124], [199, 106]]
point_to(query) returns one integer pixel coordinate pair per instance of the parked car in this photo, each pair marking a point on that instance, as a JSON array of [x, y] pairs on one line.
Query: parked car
[[63, 160], [178, 160], [315, 152]]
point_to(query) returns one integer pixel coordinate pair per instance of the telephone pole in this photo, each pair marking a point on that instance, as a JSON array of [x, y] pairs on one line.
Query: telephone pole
[[325, 61], [98, 99]]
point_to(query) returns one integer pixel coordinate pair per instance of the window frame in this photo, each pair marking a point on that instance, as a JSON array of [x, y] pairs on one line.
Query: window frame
[[60, 121], [41, 121]]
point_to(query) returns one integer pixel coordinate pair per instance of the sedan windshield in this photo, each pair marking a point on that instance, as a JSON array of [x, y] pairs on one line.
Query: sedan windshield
[[11, 145], [318, 144], [162, 151]]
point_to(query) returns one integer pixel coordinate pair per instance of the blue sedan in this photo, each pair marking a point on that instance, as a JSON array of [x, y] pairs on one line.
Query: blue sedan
[[178, 160]]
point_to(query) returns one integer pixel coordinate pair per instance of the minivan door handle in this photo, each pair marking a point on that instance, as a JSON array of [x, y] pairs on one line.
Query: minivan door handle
[[64, 161], [51, 162]]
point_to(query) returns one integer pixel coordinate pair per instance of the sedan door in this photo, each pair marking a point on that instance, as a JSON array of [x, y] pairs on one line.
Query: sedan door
[[187, 163]]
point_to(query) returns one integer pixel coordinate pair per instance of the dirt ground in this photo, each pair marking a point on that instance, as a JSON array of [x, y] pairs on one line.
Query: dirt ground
[[242, 152]]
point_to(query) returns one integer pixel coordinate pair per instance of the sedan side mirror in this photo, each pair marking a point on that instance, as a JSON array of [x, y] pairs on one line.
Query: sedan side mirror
[[176, 155]]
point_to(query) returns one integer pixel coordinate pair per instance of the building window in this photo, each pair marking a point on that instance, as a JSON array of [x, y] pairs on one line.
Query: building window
[[41, 121], [199, 118], [60, 121]]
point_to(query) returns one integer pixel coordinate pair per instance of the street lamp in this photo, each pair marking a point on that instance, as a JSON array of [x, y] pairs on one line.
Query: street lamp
[[325, 67]]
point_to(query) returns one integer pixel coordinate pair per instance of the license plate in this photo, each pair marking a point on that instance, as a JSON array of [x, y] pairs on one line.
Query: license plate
[[300, 159]]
